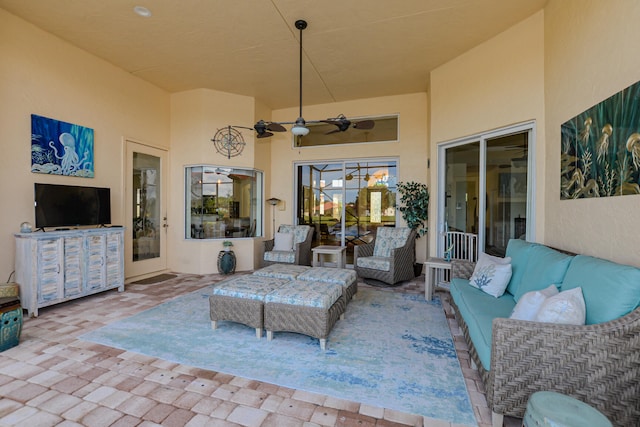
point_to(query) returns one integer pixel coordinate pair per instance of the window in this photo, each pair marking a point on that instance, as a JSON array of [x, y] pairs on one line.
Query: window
[[346, 201], [486, 188], [223, 203], [384, 130]]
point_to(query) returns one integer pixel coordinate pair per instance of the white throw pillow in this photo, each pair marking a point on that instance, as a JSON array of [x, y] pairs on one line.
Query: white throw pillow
[[491, 275], [529, 304], [283, 242], [566, 308]]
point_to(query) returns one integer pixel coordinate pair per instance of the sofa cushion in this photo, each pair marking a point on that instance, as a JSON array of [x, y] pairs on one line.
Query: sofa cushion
[[491, 274], [478, 310], [529, 304], [610, 290], [545, 267], [566, 308], [518, 251]]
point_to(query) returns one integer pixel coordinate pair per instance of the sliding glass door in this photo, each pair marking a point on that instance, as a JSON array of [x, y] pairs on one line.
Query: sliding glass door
[[485, 190], [346, 201]]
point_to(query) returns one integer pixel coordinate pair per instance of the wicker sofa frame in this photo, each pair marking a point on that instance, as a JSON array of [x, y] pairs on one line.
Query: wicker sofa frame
[[302, 250], [597, 364], [402, 260]]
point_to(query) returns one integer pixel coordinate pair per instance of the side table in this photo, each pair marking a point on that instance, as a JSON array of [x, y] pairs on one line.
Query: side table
[[431, 266], [226, 262], [340, 253]]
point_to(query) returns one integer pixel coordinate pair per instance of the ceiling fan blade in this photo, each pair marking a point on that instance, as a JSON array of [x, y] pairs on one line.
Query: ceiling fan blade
[[332, 131], [342, 122], [365, 124], [265, 134], [276, 127]]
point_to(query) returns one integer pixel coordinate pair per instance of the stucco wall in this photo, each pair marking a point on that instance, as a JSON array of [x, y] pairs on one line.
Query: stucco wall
[[591, 52], [196, 116], [496, 84], [41, 74]]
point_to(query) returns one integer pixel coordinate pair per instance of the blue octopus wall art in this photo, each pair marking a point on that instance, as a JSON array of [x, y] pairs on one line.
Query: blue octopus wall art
[[601, 148], [61, 148]]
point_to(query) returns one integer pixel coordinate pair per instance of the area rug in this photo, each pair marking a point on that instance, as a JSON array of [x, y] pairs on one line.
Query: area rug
[[392, 350], [155, 279]]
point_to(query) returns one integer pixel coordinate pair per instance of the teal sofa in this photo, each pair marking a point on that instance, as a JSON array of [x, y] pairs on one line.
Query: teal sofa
[[597, 363]]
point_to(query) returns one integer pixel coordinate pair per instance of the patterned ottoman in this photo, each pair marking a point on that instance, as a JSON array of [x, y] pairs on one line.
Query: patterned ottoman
[[282, 271], [339, 276], [309, 308], [241, 299]]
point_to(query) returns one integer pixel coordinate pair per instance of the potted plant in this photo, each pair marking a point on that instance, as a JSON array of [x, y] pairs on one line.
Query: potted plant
[[227, 245], [414, 207]]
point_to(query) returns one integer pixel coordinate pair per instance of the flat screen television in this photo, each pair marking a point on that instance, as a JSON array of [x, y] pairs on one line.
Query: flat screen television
[[70, 205]]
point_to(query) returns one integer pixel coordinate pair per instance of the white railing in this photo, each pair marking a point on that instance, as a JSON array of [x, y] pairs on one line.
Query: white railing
[[457, 245]]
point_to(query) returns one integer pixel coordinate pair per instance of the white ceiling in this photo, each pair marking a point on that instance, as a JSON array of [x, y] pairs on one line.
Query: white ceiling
[[353, 49]]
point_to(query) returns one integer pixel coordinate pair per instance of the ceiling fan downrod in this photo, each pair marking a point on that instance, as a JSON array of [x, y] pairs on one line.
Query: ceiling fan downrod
[[300, 127]]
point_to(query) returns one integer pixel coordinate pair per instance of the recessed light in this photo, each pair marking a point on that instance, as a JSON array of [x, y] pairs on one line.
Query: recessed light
[[142, 11]]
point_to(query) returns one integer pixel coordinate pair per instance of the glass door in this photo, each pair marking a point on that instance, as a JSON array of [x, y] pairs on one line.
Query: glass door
[[346, 201], [485, 192], [146, 210]]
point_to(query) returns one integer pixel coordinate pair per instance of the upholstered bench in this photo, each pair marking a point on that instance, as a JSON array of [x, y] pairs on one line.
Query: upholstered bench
[[347, 278], [340, 276], [241, 299], [309, 308]]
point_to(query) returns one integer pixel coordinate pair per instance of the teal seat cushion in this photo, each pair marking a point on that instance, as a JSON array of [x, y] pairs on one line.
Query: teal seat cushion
[[610, 290], [478, 309], [545, 267], [518, 251]]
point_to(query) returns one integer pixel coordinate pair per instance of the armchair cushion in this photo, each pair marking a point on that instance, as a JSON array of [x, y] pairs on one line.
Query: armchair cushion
[[375, 263], [388, 238], [297, 252], [283, 242], [288, 257], [299, 232]]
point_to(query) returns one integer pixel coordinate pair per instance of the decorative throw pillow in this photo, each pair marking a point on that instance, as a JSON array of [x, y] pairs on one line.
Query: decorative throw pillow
[[283, 242], [566, 308], [491, 274], [529, 304]]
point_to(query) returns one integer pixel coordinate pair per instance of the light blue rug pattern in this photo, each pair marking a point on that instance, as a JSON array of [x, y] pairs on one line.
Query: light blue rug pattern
[[393, 350]]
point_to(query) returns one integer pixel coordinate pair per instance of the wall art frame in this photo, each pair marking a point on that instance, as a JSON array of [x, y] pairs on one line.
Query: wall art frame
[[600, 154], [61, 148]]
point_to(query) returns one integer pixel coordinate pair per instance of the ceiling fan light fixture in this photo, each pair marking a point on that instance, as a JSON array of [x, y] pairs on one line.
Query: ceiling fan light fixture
[[300, 128]]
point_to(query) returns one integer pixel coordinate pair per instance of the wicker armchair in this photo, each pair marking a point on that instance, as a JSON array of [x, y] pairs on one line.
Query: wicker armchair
[[597, 364], [301, 253], [391, 269]]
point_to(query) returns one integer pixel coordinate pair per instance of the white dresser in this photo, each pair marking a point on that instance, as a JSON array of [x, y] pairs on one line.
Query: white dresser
[[57, 266]]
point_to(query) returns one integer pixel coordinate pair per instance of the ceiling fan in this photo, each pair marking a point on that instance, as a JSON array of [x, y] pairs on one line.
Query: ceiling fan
[[266, 129]]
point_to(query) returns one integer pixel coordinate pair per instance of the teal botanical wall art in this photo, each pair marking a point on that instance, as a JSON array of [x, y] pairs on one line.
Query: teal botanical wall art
[[61, 148], [601, 148]]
